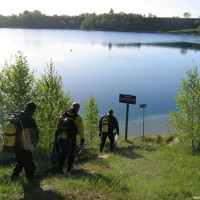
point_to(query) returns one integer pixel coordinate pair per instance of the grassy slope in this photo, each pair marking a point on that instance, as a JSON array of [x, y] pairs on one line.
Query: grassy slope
[[136, 171]]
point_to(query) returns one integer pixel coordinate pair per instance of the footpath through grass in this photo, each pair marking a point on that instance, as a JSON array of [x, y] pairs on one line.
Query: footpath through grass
[[136, 171]]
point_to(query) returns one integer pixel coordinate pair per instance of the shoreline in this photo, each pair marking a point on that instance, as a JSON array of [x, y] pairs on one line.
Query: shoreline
[[154, 124]]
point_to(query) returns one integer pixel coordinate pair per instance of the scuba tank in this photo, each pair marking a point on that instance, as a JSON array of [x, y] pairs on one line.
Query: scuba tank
[[105, 124], [9, 137]]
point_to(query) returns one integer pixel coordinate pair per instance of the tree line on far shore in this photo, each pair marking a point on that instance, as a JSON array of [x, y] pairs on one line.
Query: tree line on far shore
[[104, 22]]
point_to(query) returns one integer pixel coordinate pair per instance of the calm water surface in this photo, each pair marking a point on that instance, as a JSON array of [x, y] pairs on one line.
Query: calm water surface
[[106, 64]]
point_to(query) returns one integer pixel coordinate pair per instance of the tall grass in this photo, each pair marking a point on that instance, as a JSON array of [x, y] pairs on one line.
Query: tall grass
[[137, 170]]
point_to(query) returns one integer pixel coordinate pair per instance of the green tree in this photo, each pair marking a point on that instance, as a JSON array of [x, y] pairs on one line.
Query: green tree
[[186, 120], [52, 102], [91, 119], [89, 22], [151, 15], [16, 85], [197, 23], [187, 14], [111, 12]]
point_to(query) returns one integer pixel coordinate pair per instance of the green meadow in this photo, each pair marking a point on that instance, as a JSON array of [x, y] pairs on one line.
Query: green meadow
[[159, 167]]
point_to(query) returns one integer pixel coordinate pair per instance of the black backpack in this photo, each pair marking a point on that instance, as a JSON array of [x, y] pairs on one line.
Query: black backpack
[[67, 129]]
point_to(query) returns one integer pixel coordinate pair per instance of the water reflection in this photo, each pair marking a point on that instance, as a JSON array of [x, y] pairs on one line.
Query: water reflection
[[183, 46]]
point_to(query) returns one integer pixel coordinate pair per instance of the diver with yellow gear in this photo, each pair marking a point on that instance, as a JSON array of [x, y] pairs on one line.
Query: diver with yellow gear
[[68, 132], [27, 137], [107, 124]]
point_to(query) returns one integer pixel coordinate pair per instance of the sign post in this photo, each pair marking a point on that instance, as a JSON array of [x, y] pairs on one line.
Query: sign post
[[128, 99], [143, 106]]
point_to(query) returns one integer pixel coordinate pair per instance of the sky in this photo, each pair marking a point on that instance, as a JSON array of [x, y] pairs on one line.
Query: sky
[[160, 8]]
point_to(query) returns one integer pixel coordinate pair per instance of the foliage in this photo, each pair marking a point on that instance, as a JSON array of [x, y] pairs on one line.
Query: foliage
[[16, 85], [186, 120], [111, 12], [187, 14], [91, 21], [52, 101], [197, 22], [91, 119]]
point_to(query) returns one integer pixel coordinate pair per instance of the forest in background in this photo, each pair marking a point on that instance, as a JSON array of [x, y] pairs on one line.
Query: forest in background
[[103, 22]]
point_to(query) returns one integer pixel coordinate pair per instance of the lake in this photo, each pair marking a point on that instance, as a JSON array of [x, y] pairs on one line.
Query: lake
[[105, 64]]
